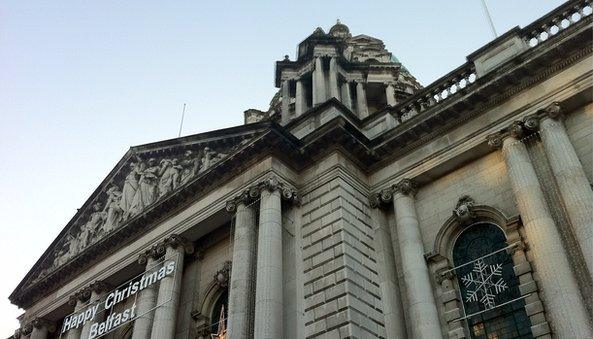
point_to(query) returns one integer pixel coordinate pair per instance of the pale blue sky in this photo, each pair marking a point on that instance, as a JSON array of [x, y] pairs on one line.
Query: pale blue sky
[[81, 81]]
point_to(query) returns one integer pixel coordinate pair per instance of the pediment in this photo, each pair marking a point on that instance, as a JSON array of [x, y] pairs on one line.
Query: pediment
[[145, 176]]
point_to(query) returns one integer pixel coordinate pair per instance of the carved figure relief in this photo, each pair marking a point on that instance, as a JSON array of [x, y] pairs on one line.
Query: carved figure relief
[[143, 183]]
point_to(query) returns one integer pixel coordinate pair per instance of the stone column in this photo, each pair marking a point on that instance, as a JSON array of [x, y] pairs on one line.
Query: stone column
[[97, 289], [301, 102], [361, 101], [268, 293], [572, 182], [41, 329], [390, 94], [241, 285], [319, 93], [346, 97], [285, 101], [421, 303], [78, 300], [146, 299], [169, 289], [334, 90], [562, 297]]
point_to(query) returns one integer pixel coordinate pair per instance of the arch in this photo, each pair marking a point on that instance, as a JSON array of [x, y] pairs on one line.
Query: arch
[[452, 228]]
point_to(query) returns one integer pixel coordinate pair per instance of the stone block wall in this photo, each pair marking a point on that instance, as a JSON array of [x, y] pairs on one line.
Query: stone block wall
[[484, 179], [341, 290]]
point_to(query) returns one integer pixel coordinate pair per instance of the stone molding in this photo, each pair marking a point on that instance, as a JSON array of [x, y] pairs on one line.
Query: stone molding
[[385, 196], [253, 192]]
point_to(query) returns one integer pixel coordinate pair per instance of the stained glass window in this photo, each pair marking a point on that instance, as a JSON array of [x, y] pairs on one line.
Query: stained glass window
[[489, 287]]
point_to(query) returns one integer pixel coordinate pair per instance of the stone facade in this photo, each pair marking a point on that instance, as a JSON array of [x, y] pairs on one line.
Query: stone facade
[[358, 205]]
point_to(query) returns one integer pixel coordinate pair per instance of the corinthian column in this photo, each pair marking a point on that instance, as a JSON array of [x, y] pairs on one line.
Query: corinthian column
[[361, 101], [319, 93], [572, 182], [422, 306], [241, 285], [268, 293], [170, 286], [562, 297], [334, 90], [146, 300], [300, 105]]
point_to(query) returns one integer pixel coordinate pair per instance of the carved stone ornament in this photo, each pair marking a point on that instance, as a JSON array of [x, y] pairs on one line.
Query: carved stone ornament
[[516, 129], [253, 192], [148, 177], [405, 186], [463, 211], [223, 276], [495, 140], [444, 274], [531, 122], [553, 111]]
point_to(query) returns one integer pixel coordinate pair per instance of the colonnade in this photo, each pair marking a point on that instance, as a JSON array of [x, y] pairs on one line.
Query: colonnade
[[322, 90], [563, 302]]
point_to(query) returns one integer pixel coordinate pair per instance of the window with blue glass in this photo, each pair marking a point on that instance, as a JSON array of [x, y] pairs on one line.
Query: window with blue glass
[[489, 288]]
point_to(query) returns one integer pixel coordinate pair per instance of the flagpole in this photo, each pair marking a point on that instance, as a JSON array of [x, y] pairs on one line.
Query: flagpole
[[487, 12]]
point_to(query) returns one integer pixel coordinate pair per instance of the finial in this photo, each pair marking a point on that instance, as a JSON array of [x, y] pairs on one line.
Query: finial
[[286, 58], [337, 21]]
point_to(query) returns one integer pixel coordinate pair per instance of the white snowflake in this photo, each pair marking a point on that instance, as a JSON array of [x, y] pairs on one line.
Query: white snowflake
[[484, 288]]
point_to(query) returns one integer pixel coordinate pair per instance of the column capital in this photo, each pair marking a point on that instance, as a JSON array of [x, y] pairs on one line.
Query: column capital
[[253, 192], [516, 129], [405, 187], [177, 241], [42, 322], [17, 333], [443, 274], [83, 294], [553, 111], [385, 196], [26, 329]]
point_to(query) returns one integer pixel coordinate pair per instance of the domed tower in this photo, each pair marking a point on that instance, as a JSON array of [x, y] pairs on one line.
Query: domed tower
[[356, 70]]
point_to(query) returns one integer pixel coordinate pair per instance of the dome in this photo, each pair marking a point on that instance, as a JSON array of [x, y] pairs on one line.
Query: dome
[[339, 30]]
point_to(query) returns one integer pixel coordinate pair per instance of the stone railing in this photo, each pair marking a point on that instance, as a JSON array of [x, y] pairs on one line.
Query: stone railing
[[556, 21], [459, 80], [439, 91]]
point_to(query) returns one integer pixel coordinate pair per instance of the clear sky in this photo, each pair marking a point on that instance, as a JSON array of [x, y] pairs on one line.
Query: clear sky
[[81, 81]]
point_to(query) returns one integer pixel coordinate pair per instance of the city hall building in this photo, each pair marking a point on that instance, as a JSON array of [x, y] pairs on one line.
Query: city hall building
[[359, 205]]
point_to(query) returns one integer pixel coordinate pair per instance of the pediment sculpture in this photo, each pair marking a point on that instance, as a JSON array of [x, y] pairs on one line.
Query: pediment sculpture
[[145, 180]]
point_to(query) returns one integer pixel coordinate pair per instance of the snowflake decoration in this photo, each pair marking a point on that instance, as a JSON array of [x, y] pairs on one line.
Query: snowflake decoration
[[484, 288]]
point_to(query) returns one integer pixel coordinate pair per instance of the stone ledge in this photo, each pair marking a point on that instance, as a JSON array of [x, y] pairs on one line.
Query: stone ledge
[[522, 268], [534, 308], [540, 330], [528, 287]]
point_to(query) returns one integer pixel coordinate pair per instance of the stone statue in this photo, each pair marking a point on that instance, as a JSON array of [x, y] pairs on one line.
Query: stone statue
[[88, 230], [113, 212], [209, 158], [170, 176], [130, 188], [191, 166], [72, 247], [147, 190]]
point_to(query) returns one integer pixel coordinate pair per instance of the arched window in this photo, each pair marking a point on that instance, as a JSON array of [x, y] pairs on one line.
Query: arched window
[[488, 285]]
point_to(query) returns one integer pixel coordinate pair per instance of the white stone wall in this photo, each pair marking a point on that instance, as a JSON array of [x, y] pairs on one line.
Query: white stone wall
[[484, 179], [579, 125]]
